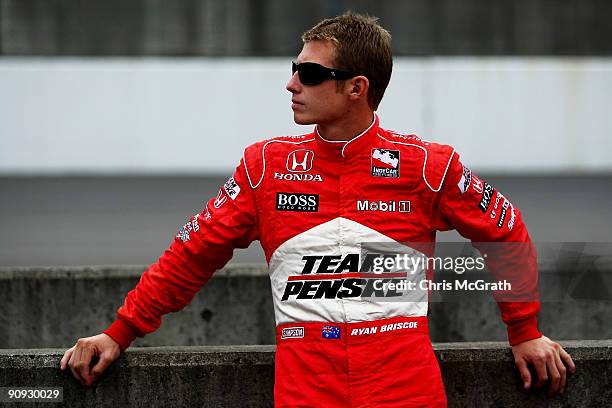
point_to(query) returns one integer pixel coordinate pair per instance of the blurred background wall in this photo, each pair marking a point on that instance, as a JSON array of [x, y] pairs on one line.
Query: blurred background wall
[[119, 119]]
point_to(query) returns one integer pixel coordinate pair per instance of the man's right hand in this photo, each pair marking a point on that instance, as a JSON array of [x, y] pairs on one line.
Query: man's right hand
[[80, 356]]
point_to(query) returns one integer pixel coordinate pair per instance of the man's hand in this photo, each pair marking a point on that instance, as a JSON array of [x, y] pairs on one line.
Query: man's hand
[[80, 356], [549, 360]]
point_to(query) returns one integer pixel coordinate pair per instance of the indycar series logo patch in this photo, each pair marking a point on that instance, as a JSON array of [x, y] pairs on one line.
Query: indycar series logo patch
[[385, 163]]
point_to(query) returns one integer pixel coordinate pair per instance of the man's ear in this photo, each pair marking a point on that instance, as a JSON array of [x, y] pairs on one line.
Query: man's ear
[[358, 87]]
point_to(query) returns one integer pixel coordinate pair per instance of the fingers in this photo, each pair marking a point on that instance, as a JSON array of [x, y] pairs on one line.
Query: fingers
[[563, 371], [550, 361], [567, 360], [72, 364], [525, 374], [105, 360], [555, 376], [66, 358], [80, 361], [541, 372]]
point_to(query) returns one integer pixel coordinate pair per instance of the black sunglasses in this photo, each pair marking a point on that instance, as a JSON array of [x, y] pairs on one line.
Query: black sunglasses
[[311, 73]]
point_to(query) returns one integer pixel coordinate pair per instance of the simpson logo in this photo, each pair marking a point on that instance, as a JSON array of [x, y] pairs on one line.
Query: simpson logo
[[466, 180], [487, 196], [385, 163], [292, 333], [232, 189], [300, 160], [383, 206], [297, 202]]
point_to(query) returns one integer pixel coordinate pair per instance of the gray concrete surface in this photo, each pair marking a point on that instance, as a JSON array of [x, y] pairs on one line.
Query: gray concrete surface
[[131, 220], [52, 307], [474, 375], [273, 27]]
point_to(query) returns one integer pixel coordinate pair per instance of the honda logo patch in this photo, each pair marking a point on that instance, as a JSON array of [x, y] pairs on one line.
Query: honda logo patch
[[300, 161]]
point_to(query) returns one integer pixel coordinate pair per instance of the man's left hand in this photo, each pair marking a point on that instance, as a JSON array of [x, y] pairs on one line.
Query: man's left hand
[[549, 360]]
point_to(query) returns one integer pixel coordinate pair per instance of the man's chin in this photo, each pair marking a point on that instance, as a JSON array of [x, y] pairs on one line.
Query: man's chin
[[303, 119]]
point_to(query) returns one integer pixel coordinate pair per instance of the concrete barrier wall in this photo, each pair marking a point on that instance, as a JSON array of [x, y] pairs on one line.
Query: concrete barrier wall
[[474, 374], [52, 307]]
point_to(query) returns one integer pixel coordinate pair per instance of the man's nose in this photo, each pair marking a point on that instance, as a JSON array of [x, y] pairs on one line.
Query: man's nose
[[294, 84]]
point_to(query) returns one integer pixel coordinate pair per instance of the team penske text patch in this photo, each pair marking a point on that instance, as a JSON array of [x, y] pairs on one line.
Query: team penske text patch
[[385, 163]]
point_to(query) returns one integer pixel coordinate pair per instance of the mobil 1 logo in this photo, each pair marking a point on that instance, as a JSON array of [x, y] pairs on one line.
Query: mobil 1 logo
[[301, 202]]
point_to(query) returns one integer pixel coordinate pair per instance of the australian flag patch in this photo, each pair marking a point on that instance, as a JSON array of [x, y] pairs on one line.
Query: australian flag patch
[[330, 332]]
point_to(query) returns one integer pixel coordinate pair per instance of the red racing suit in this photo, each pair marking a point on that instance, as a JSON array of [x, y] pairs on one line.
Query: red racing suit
[[314, 205]]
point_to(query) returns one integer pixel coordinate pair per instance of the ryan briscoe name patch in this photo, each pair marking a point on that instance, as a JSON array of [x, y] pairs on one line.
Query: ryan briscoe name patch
[[297, 202]]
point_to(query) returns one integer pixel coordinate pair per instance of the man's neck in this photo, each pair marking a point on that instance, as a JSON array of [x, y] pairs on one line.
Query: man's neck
[[346, 128]]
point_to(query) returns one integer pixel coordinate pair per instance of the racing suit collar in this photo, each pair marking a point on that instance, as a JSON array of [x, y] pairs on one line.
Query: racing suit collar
[[346, 149]]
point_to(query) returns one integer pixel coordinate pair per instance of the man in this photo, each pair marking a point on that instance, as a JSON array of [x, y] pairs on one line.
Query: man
[[315, 202]]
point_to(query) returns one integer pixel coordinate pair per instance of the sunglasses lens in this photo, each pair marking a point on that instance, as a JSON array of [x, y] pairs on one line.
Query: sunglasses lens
[[309, 73]]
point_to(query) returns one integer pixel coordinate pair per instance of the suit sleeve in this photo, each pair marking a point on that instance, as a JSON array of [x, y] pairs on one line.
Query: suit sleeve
[[484, 215], [202, 246]]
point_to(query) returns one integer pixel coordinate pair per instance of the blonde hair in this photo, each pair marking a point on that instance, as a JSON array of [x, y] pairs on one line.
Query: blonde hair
[[362, 46]]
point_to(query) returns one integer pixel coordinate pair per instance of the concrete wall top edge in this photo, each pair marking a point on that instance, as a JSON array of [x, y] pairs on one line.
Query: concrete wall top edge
[[580, 350], [113, 271], [604, 264]]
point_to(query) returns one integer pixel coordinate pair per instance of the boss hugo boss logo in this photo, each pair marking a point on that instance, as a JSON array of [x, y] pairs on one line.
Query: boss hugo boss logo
[[300, 160], [297, 202], [487, 196]]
